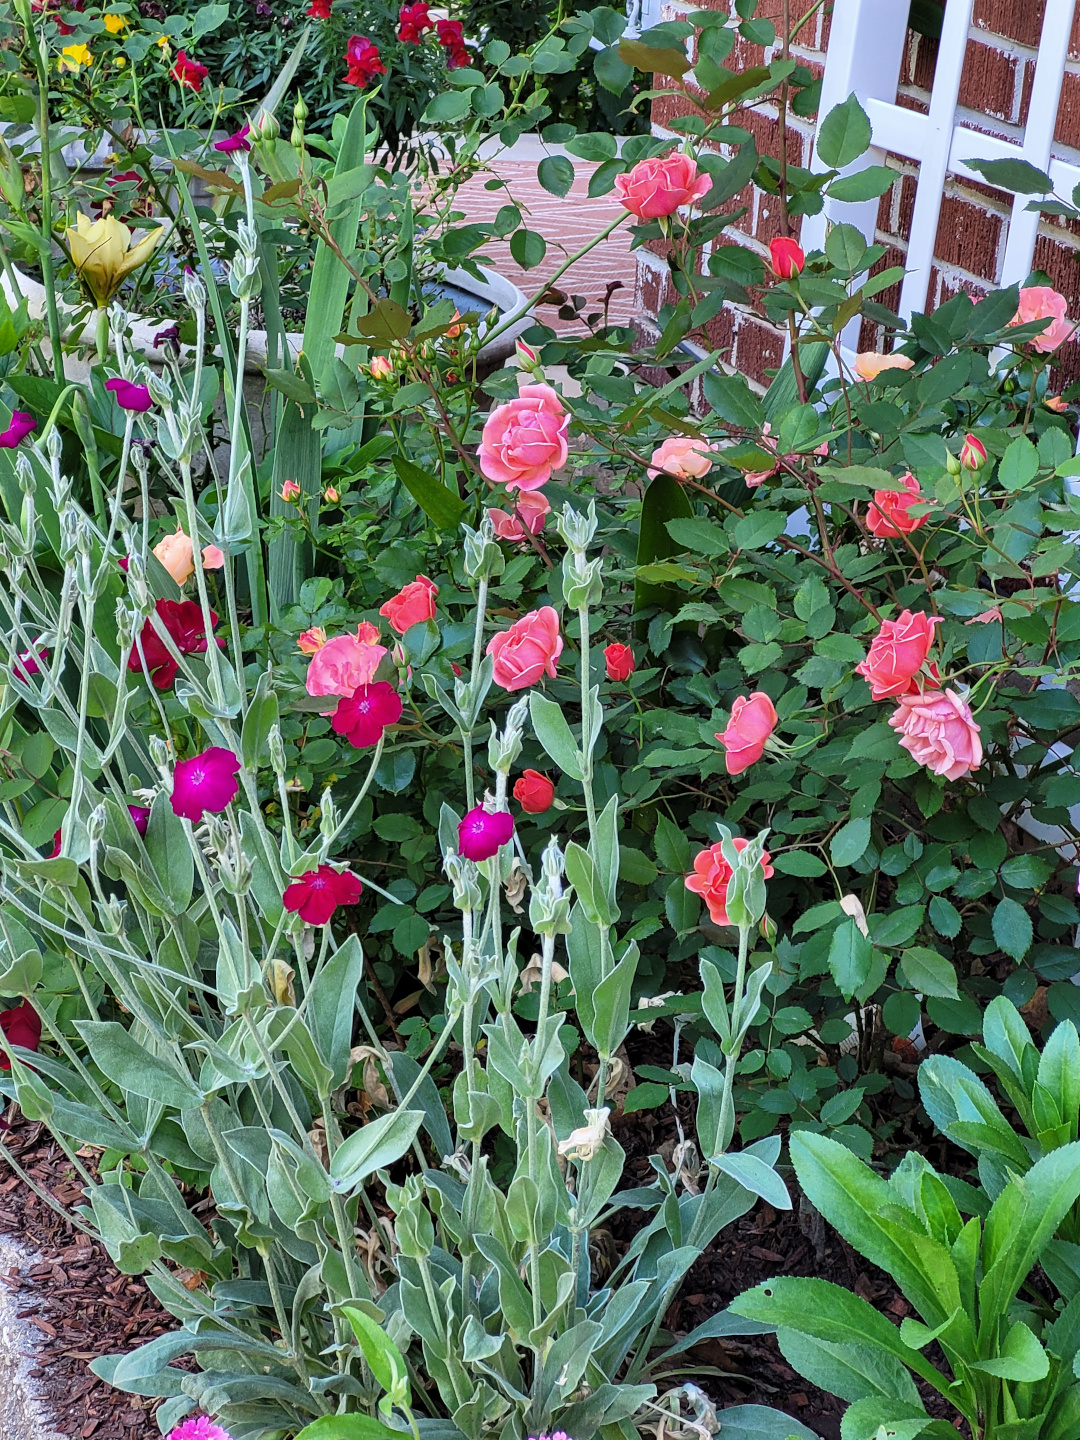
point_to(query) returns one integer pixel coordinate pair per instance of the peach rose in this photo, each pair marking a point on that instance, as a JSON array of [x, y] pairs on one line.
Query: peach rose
[[753, 719], [528, 650], [177, 555], [686, 456], [938, 730], [870, 364], [525, 439], [1042, 302], [657, 188], [712, 875], [412, 605], [213, 558], [342, 665], [532, 506], [888, 516], [311, 640], [897, 653]]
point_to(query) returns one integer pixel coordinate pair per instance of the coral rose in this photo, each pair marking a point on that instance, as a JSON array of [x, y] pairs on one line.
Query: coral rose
[[888, 516], [686, 456], [532, 507], [897, 653], [527, 651], [938, 730], [618, 661], [870, 364], [534, 792], [1042, 302], [787, 258], [657, 188], [340, 666], [753, 719], [712, 876], [525, 439], [412, 605]]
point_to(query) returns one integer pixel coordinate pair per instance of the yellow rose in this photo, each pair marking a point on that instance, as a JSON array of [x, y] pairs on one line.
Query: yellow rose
[[103, 255]]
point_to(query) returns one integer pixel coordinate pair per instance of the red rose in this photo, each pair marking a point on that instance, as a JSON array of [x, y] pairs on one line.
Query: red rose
[[534, 792], [183, 619], [619, 661], [22, 1026], [786, 257]]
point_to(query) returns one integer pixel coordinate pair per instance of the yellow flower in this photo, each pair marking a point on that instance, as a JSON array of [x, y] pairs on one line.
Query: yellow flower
[[114, 24], [163, 42], [73, 57], [120, 61], [103, 255]]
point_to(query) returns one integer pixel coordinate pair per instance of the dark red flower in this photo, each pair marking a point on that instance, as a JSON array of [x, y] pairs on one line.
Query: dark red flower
[[451, 36], [319, 9], [362, 58], [22, 1026], [363, 716], [57, 840], [318, 893], [413, 21], [188, 72], [183, 619]]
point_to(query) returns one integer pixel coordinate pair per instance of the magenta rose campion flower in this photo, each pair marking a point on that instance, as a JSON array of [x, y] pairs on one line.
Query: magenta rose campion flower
[[1042, 302], [198, 1427], [526, 652], [129, 396], [236, 142], [140, 817], [205, 782], [29, 662], [481, 832], [939, 731], [363, 716], [20, 426], [525, 439], [656, 188]]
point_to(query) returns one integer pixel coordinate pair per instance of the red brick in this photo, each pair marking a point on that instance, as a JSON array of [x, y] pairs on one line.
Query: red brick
[[759, 350], [1074, 38], [1067, 129], [1027, 72], [968, 237], [654, 289], [921, 61], [913, 102], [945, 291], [1019, 20], [720, 331], [1060, 263], [988, 82]]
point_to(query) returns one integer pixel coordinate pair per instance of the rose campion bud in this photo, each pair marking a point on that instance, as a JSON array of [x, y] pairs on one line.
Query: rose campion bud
[[972, 453], [897, 653], [534, 792], [712, 875], [686, 456], [655, 189], [888, 516], [316, 894], [786, 257], [753, 719], [524, 440], [938, 730], [619, 662], [1042, 302], [482, 833], [526, 652], [412, 605]]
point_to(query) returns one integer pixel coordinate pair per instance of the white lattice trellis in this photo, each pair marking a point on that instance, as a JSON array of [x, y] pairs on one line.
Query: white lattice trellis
[[866, 48]]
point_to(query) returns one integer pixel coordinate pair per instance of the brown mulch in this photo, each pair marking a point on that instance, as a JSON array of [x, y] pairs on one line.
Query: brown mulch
[[74, 1297]]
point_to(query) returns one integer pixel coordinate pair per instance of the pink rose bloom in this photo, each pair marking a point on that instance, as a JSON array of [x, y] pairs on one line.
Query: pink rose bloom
[[753, 719], [938, 730], [343, 664], [213, 557], [711, 877], [658, 187], [528, 650], [897, 653], [1042, 302], [758, 477], [525, 439], [412, 605], [888, 515], [683, 455], [532, 507], [205, 782]]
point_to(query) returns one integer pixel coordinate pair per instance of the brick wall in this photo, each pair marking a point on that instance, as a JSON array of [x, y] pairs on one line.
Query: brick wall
[[994, 95]]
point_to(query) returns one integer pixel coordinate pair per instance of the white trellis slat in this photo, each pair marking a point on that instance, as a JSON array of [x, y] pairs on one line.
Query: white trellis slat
[[865, 53]]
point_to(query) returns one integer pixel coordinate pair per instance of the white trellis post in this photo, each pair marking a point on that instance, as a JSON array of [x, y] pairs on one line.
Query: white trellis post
[[866, 48]]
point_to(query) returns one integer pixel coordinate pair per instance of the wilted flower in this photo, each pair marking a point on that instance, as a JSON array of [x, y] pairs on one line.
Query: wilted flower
[[587, 1139], [103, 255]]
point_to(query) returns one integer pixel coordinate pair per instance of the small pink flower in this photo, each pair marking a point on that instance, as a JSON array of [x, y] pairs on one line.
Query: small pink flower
[[711, 877], [618, 661], [525, 439], [412, 605], [657, 188], [205, 782], [686, 456], [787, 258], [363, 716], [1042, 302], [291, 491], [532, 506], [331, 495], [939, 731], [140, 817], [888, 516], [198, 1427], [753, 720], [237, 141], [20, 426], [482, 832], [29, 662], [380, 368], [526, 652], [994, 613], [213, 558], [342, 665], [897, 653], [318, 893], [311, 640], [129, 396]]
